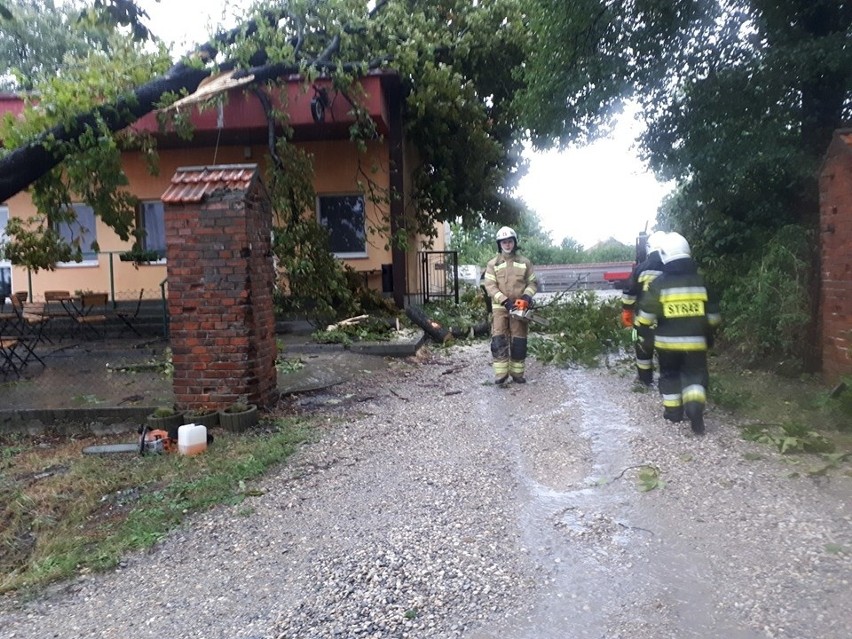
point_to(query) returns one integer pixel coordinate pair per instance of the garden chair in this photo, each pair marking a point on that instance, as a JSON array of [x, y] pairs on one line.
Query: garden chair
[[59, 308], [7, 357], [92, 318], [128, 318], [29, 328]]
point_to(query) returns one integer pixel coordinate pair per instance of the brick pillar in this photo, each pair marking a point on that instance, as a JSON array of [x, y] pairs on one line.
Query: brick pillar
[[835, 192], [220, 280]]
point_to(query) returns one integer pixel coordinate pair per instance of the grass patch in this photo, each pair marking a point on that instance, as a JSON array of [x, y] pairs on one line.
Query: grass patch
[[65, 513], [794, 415]]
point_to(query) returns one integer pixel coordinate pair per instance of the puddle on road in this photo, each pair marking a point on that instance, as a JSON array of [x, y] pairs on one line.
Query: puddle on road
[[603, 570]]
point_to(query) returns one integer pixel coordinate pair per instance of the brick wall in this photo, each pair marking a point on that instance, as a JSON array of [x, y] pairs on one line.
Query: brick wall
[[220, 275], [836, 258]]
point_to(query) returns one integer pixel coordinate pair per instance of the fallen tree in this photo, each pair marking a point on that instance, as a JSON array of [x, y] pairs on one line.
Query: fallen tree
[[22, 166]]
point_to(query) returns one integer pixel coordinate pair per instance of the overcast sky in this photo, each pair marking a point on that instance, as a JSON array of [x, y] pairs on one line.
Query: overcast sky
[[589, 193], [594, 192]]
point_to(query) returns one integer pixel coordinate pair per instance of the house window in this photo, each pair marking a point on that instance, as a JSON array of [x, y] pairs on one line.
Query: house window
[[82, 232], [152, 223], [345, 218]]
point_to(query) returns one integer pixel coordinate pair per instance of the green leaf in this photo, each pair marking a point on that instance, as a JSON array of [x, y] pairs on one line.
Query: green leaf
[[837, 549]]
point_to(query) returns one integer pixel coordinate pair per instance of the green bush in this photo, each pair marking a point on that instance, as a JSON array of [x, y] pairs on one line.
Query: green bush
[[469, 312], [582, 328], [766, 310]]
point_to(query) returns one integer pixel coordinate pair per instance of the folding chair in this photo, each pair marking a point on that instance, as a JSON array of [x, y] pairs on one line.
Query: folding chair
[[128, 318], [29, 327], [9, 320], [7, 357], [93, 313], [59, 308]]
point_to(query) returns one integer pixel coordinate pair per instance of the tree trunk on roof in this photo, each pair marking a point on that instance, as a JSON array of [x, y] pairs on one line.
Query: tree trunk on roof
[[28, 163]]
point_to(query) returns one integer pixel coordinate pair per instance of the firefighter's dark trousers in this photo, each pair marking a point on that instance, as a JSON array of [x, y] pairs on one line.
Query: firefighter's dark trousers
[[644, 358], [683, 382], [508, 344]]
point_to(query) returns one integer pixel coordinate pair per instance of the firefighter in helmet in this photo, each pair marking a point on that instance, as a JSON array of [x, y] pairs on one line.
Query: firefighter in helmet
[[640, 279], [509, 277], [681, 317]]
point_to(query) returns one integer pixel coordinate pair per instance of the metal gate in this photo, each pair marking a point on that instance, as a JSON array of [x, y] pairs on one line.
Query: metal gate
[[439, 275]]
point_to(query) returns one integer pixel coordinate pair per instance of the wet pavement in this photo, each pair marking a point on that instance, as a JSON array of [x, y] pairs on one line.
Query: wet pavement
[[118, 380], [436, 505]]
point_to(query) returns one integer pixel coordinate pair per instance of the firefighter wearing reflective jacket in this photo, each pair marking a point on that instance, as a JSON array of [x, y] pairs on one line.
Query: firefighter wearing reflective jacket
[[509, 277], [640, 279], [679, 315]]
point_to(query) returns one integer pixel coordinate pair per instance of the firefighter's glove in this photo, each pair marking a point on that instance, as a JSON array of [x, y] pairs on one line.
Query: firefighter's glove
[[509, 304], [634, 335], [527, 299], [627, 318]]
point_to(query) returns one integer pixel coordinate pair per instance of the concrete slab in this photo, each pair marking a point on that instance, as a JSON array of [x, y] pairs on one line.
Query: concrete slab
[[112, 385]]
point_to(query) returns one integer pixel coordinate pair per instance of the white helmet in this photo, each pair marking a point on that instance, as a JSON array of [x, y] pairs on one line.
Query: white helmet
[[655, 242], [674, 247], [506, 233]]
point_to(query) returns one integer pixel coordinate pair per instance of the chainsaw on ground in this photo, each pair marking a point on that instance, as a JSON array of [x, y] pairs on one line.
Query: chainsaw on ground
[[524, 311], [151, 441], [154, 440]]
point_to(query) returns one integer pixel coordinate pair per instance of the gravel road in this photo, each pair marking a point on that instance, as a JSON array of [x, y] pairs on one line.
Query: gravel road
[[435, 505]]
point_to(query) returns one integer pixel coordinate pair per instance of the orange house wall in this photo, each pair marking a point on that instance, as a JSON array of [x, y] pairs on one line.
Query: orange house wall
[[336, 168]]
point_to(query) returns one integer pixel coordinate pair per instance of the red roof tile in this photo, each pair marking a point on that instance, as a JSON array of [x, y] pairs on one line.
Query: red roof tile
[[194, 183]]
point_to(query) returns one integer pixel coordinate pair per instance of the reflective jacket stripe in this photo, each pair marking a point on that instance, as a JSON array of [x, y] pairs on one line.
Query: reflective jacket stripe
[[643, 318], [640, 279], [684, 294], [682, 343], [647, 277]]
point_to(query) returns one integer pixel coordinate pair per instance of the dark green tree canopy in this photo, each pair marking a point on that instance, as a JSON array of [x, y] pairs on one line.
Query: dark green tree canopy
[[740, 98]]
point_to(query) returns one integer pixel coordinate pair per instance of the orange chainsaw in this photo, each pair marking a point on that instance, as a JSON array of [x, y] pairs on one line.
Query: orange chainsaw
[[154, 440], [524, 311], [151, 441]]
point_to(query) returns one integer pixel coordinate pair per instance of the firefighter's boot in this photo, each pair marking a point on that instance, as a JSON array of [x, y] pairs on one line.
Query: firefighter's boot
[[645, 376], [695, 413], [516, 369], [501, 372], [673, 414]]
